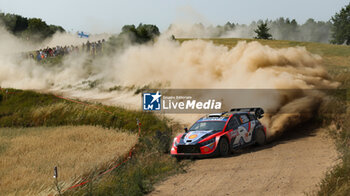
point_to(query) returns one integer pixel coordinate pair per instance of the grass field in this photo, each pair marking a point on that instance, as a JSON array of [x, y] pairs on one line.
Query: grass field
[[28, 155]]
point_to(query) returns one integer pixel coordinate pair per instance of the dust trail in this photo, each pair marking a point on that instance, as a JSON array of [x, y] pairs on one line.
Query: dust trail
[[192, 64]]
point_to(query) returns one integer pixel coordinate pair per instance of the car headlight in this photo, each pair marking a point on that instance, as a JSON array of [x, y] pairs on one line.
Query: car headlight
[[212, 140], [175, 142]]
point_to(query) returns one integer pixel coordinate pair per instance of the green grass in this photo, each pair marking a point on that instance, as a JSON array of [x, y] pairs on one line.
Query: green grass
[[28, 109]]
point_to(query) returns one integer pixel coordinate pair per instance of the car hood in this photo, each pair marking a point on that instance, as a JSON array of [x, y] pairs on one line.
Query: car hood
[[193, 137]]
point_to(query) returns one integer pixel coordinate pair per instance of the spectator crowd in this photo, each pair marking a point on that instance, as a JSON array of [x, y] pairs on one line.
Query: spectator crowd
[[91, 48]]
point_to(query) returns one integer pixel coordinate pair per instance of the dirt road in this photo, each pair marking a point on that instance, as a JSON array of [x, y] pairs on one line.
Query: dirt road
[[293, 165]]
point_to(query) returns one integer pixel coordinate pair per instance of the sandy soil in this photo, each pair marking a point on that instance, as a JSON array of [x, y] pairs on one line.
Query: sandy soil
[[293, 165]]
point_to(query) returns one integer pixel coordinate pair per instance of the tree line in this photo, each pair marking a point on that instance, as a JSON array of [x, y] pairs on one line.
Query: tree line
[[281, 29], [338, 28]]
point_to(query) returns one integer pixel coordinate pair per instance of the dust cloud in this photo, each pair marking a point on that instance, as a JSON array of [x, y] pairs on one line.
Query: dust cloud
[[64, 38], [310, 31], [169, 64]]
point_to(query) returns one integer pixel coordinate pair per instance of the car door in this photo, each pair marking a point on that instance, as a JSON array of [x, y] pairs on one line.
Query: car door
[[252, 123], [232, 128], [244, 130]]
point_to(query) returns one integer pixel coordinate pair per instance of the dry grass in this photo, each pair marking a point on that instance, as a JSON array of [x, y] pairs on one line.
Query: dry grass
[[28, 155]]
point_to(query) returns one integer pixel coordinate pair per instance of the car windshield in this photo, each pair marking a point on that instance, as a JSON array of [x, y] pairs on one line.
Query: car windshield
[[208, 126]]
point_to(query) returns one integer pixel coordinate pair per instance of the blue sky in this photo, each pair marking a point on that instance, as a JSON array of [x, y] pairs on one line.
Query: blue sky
[[96, 16]]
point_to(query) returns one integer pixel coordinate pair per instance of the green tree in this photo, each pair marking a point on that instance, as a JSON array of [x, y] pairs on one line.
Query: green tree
[[263, 31], [33, 28], [147, 32], [37, 26], [132, 35], [229, 26], [9, 21], [143, 33], [53, 29], [21, 24], [39, 30], [341, 26]]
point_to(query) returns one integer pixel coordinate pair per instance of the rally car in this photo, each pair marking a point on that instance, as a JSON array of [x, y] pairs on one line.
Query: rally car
[[220, 134]]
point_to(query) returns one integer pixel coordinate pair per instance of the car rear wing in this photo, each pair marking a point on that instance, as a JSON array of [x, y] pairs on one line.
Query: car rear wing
[[259, 112], [218, 115]]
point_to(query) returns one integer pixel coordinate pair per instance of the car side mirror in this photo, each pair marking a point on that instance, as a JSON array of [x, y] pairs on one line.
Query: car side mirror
[[186, 130]]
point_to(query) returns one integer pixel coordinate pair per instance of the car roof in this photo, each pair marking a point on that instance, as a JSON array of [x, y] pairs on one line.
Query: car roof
[[257, 112], [213, 119], [216, 117], [221, 116]]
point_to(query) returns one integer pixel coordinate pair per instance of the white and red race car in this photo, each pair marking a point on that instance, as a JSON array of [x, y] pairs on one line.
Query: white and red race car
[[219, 134]]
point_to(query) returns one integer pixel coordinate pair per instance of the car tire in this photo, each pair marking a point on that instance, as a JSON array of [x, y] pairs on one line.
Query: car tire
[[260, 137], [224, 147], [179, 158]]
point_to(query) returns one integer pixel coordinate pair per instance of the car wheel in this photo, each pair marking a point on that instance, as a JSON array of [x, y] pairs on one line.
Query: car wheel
[[224, 148], [179, 158], [260, 137]]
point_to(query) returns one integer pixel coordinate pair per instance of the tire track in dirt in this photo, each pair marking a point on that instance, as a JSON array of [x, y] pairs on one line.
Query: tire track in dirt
[[294, 165]]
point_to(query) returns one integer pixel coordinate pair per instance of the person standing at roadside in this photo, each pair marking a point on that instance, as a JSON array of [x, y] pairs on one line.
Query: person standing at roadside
[[88, 45]]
